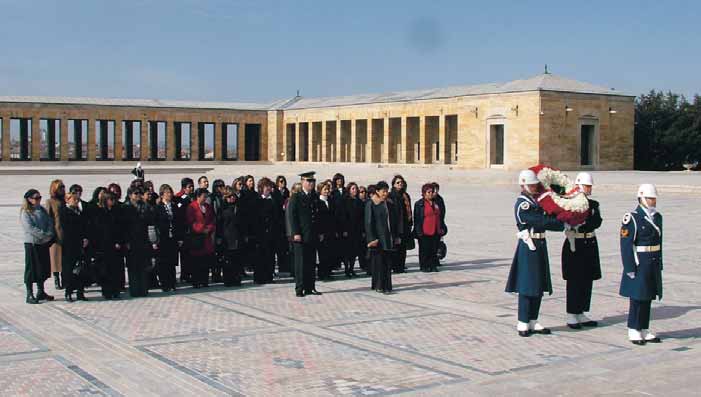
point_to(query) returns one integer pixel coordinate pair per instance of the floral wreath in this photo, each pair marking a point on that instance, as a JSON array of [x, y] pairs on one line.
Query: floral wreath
[[559, 196]]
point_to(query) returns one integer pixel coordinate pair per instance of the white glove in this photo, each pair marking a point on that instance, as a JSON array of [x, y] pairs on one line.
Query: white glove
[[631, 275]]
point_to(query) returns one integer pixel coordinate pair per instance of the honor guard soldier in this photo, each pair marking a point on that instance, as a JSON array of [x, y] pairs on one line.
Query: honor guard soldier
[[580, 259], [300, 226], [530, 270], [641, 252]]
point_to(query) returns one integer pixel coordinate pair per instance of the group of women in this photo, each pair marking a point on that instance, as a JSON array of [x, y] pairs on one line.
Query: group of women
[[217, 237]]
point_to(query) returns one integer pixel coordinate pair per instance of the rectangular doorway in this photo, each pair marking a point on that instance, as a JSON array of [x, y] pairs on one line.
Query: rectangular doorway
[[252, 139], [496, 144], [587, 144]]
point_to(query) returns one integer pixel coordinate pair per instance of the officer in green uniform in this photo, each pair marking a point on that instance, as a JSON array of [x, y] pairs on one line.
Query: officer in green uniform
[[300, 226]]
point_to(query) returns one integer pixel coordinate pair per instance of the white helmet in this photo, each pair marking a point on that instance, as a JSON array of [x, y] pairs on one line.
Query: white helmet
[[527, 177], [647, 190], [584, 178]]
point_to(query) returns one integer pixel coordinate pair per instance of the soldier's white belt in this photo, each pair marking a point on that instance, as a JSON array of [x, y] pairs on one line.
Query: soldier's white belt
[[648, 248], [585, 235], [538, 236]]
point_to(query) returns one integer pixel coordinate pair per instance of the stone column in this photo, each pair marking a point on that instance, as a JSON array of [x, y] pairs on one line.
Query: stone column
[[6, 118], [442, 155], [339, 134], [404, 142], [145, 141], [170, 139], [241, 141], [385, 140], [118, 140], [298, 141], [285, 155], [324, 152], [194, 139], [369, 142], [36, 139], [353, 143], [310, 141], [63, 156], [424, 145]]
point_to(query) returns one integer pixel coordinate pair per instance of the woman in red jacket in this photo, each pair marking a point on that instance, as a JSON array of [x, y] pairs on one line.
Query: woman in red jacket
[[428, 229], [200, 217]]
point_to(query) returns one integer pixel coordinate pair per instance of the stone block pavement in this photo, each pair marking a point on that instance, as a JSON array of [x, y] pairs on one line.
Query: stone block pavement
[[446, 333]]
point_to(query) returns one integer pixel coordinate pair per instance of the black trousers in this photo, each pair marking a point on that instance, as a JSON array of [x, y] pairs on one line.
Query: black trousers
[[264, 266], [528, 307], [111, 272], [185, 266], [399, 262], [305, 260], [639, 314], [232, 268], [327, 259], [428, 252], [200, 266], [139, 277], [167, 261], [579, 296], [282, 253], [381, 269]]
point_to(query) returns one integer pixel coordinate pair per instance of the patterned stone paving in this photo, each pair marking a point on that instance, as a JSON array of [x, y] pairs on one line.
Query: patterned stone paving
[[449, 333], [162, 317], [48, 377], [295, 363]]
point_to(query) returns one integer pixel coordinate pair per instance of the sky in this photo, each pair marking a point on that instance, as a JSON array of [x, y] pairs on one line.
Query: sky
[[260, 50]]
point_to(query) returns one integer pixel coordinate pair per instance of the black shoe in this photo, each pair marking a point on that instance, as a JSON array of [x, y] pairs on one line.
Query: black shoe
[[638, 342], [544, 331], [590, 323], [313, 292], [524, 334], [57, 281], [299, 294], [32, 300], [80, 295], [43, 296], [653, 340], [68, 296], [575, 326], [117, 296]]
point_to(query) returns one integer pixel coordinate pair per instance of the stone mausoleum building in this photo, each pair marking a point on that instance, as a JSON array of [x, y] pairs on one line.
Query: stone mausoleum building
[[544, 119]]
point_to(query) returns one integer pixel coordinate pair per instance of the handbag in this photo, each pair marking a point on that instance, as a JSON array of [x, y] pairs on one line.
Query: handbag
[[442, 250], [82, 271]]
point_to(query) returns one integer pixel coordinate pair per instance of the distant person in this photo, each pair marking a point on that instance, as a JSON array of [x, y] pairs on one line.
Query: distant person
[[170, 227], [56, 201], [39, 234], [75, 242], [428, 228], [381, 236], [300, 226], [202, 222]]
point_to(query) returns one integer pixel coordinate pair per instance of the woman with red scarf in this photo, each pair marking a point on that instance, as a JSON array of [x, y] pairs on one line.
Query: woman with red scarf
[[428, 229], [200, 217]]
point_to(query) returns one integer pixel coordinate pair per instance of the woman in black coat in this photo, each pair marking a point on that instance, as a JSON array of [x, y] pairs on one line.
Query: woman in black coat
[[325, 229], [106, 245], [230, 231], [139, 217], [266, 226], [355, 212], [75, 240], [380, 222], [401, 202], [170, 228], [282, 247], [428, 228]]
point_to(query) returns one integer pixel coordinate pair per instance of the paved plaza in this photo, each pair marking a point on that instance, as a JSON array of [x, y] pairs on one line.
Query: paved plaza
[[439, 334]]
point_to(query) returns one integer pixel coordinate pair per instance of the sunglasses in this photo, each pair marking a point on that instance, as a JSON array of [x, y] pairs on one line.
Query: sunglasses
[[36, 197]]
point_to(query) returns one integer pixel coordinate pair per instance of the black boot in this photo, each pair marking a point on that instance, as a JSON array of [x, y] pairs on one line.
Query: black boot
[[30, 295], [57, 281], [80, 295], [42, 295], [68, 295]]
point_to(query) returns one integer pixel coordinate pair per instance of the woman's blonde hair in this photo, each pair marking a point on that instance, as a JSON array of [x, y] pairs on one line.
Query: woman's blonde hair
[[296, 187], [53, 188]]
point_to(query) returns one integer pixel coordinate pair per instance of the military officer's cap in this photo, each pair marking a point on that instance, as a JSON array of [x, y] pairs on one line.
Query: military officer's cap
[[309, 176]]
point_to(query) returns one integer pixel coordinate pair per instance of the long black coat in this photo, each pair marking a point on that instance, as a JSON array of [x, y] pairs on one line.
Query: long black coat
[[325, 221], [584, 262], [377, 226], [268, 222], [230, 227], [300, 217], [170, 229], [105, 231]]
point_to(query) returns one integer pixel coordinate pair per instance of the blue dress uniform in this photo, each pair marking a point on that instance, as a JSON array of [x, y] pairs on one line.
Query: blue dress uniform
[[582, 266], [530, 269], [641, 252]]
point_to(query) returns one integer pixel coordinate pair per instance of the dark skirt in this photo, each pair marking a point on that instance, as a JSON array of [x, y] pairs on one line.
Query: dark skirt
[[428, 252], [381, 270], [37, 263]]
